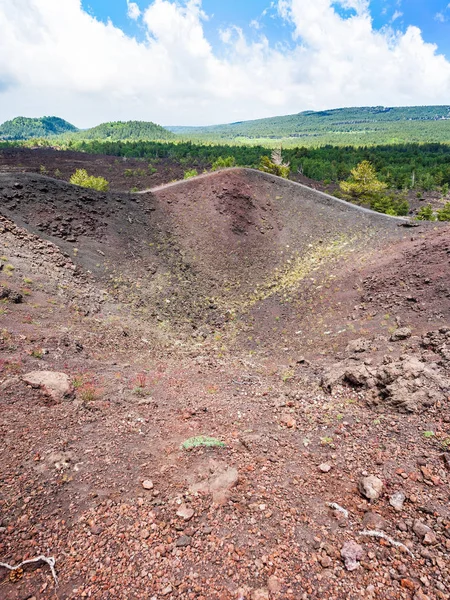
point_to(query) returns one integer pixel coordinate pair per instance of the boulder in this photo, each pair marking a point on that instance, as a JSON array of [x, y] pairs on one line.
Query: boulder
[[352, 553], [371, 487], [53, 384]]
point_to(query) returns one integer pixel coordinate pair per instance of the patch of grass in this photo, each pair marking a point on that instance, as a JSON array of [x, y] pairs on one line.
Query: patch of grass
[[27, 281], [78, 381], [428, 434], [89, 393], [326, 441], [287, 376], [190, 173], [37, 353], [9, 269], [202, 440]]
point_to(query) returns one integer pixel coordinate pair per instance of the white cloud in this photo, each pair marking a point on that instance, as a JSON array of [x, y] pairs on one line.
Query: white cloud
[[134, 12], [57, 59], [440, 17], [396, 15]]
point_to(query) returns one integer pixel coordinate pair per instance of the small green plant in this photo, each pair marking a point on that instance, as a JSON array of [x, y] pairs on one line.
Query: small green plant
[[134, 189], [78, 381], [27, 281], [275, 165], [426, 213], [428, 434], [287, 376], [89, 393], [9, 269], [190, 173], [443, 214], [82, 179], [58, 173], [223, 163], [43, 170], [37, 353], [326, 441], [202, 440]]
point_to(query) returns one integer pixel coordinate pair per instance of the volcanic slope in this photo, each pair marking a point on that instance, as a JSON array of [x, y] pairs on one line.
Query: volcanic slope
[[101, 288], [205, 251]]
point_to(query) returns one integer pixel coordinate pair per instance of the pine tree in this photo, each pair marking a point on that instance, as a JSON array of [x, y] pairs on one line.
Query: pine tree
[[362, 186]]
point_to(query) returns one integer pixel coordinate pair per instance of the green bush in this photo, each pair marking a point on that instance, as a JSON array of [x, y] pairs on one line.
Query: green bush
[[224, 163], [444, 213], [426, 213], [390, 205], [81, 178], [190, 173], [268, 166]]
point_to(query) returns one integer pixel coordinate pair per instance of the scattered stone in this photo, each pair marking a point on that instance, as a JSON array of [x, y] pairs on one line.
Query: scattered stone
[[53, 384], [375, 521], [360, 345], [352, 553], [219, 481], [371, 487], [261, 594], [419, 595], [420, 529], [288, 421], [183, 541], [145, 534], [429, 539], [397, 500], [326, 561], [147, 484], [274, 585], [325, 467], [401, 334], [185, 513], [166, 591]]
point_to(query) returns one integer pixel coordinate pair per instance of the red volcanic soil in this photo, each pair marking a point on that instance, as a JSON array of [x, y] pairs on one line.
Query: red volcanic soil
[[308, 336], [123, 174]]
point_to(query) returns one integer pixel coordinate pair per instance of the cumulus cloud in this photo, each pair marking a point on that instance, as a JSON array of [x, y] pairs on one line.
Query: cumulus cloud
[[63, 61], [134, 12]]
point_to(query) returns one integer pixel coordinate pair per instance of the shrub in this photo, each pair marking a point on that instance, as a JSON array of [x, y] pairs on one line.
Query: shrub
[[269, 166], [444, 213], [202, 440], [224, 163], [363, 187], [389, 205], [426, 214], [190, 173], [81, 178]]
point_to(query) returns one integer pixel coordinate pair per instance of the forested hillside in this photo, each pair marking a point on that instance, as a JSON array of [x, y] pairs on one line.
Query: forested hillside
[[126, 130], [347, 126], [23, 128]]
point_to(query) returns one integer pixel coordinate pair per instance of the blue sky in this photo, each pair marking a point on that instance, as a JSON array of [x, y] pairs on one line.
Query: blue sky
[[431, 16], [200, 62]]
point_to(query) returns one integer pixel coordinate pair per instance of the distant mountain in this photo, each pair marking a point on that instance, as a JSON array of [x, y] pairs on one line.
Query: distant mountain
[[129, 130], [341, 121], [23, 128]]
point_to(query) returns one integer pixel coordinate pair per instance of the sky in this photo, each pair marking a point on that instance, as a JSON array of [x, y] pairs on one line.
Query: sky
[[199, 62]]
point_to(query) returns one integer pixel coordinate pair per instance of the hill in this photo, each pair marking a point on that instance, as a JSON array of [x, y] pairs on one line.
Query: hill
[[126, 130], [303, 340], [24, 128], [345, 126]]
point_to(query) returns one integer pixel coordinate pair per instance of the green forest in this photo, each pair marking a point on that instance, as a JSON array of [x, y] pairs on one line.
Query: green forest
[[346, 126], [421, 166], [22, 128], [125, 130], [364, 126]]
